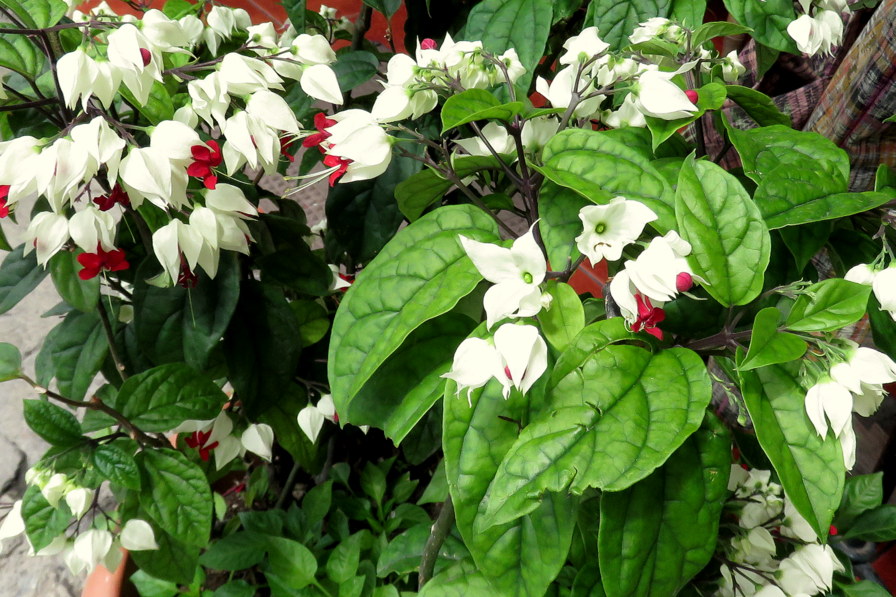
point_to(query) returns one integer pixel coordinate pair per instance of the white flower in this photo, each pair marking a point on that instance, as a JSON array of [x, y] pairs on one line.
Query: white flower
[[559, 92], [861, 274], [313, 49], [47, 233], [760, 509], [358, 137], [655, 273], [583, 47], [524, 355], [809, 570], [537, 132], [210, 98], [659, 97], [13, 524], [476, 361], [497, 137], [654, 27], [147, 173], [137, 535], [817, 34], [610, 228], [627, 114], [756, 547], [864, 374], [514, 66], [732, 68], [162, 32], [175, 140], [272, 110], [258, 439], [884, 288], [76, 72], [102, 143], [79, 501], [795, 526], [320, 82], [138, 60], [311, 418], [831, 400], [175, 239], [241, 75], [90, 548], [515, 272]]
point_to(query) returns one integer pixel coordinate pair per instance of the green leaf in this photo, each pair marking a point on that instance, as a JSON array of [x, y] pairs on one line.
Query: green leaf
[[373, 482], [765, 148], [710, 97], [163, 397], [290, 564], [590, 340], [19, 54], [73, 353], [861, 493], [175, 9], [877, 525], [116, 465], [883, 327], [617, 20], [520, 24], [708, 31], [174, 561], [158, 107], [437, 490], [828, 305], [354, 68], [43, 13], [80, 294], [810, 467], [236, 588], [522, 556], [599, 166], [558, 208], [731, 245], [298, 268], [768, 346], [565, 318], [588, 438], [884, 177], [261, 346], [387, 7], [313, 319], [409, 382], [890, 118], [461, 580], [476, 104], [657, 534], [295, 12], [53, 423], [789, 196], [19, 275], [420, 274], [768, 19], [176, 495], [343, 561], [238, 551], [864, 588], [10, 362], [43, 522], [150, 586], [757, 105], [805, 241]]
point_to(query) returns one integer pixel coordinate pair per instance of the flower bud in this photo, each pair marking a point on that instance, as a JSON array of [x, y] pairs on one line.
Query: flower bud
[[692, 95], [684, 282]]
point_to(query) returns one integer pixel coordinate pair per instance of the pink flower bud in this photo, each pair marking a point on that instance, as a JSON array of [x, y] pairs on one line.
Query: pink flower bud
[[683, 282], [428, 44], [146, 55], [692, 95]]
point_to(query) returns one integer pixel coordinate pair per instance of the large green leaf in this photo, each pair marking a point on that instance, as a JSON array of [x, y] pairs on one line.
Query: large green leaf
[[860, 494], [476, 104], [564, 318], [354, 68], [10, 362], [768, 346], [828, 305], [73, 353], [599, 166], [657, 534], [38, 13], [422, 273], [731, 244], [877, 525], [520, 557], [116, 465], [688, 12], [810, 467], [163, 397], [290, 565], [757, 105], [80, 294], [43, 522], [53, 423], [617, 20], [765, 148], [463, 579], [174, 560], [186, 325], [560, 224], [710, 97], [176, 495], [520, 24], [768, 19], [409, 382], [19, 275], [19, 54], [615, 420]]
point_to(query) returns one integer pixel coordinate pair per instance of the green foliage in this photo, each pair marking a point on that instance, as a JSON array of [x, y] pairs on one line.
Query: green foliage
[[565, 318], [476, 104], [354, 68], [73, 353], [80, 294], [116, 465], [828, 305], [768, 20], [768, 346], [616, 21], [10, 362], [43, 522], [54, 424], [560, 224], [19, 275]]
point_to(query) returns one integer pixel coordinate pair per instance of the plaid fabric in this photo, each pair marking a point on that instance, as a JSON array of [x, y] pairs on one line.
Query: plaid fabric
[[844, 97]]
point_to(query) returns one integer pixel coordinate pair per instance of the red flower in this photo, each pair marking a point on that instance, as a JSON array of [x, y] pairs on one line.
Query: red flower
[[334, 160], [204, 160], [197, 440], [93, 263], [107, 202], [146, 56], [648, 317], [285, 147], [321, 123], [4, 192], [186, 278]]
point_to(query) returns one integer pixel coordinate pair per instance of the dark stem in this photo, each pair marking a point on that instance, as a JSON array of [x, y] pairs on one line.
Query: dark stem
[[288, 485], [110, 339], [362, 25], [440, 530]]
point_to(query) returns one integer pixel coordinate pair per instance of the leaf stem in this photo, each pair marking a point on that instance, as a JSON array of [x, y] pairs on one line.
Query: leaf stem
[[440, 530], [110, 339]]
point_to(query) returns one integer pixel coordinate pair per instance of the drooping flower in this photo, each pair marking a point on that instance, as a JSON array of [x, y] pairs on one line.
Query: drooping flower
[[659, 97], [610, 228], [321, 123], [864, 374], [476, 361], [206, 158], [649, 317], [311, 418], [829, 401], [137, 535], [515, 272], [199, 440], [524, 356]]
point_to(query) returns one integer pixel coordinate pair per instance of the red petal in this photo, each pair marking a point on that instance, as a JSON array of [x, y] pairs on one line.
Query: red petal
[[201, 153], [210, 181], [90, 260], [199, 169]]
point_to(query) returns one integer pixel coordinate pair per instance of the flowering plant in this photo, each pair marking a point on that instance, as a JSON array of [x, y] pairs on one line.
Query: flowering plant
[[579, 435]]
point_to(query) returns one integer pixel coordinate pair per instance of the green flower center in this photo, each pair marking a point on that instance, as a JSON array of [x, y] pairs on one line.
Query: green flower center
[[600, 228], [527, 277]]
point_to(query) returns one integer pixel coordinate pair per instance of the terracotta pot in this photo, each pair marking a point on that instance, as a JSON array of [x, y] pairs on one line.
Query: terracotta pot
[[102, 583]]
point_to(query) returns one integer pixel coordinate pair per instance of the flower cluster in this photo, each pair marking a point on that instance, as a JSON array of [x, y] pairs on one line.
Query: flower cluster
[[882, 282], [217, 436], [757, 561], [820, 27]]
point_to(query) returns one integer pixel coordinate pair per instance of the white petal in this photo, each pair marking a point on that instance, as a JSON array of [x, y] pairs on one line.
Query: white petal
[[495, 263], [258, 439], [327, 407], [319, 81], [79, 500], [137, 535], [311, 421]]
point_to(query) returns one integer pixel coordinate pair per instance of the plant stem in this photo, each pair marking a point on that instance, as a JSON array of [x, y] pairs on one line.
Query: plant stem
[[440, 530], [110, 339], [287, 487], [362, 25]]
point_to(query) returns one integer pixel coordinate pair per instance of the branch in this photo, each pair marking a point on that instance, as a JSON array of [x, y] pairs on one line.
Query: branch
[[110, 339], [440, 530]]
